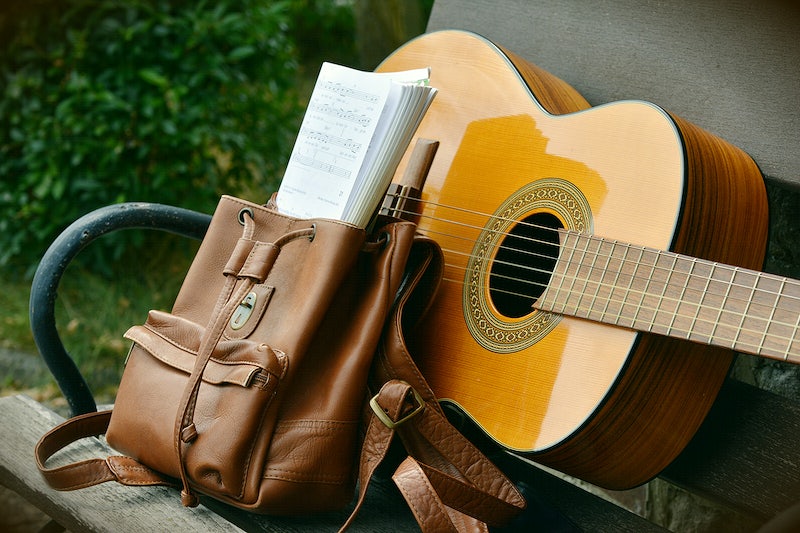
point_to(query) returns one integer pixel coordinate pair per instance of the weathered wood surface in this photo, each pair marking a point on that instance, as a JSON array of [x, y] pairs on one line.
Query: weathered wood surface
[[113, 507], [107, 507], [745, 454]]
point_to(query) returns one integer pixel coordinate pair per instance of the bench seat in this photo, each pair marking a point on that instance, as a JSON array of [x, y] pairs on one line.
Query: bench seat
[[113, 507]]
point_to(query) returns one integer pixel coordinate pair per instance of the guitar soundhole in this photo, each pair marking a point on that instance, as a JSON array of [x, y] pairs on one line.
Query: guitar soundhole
[[524, 264]]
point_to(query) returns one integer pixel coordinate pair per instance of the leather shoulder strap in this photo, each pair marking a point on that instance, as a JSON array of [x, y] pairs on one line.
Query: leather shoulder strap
[[90, 471], [448, 483]]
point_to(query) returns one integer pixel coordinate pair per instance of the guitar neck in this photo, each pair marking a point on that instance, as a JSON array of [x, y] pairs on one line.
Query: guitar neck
[[675, 295]]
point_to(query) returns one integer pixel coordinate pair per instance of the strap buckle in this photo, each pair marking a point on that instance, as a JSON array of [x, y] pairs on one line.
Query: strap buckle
[[392, 424]]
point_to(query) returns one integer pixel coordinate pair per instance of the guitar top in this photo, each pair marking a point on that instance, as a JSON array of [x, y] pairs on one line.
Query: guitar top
[[524, 161]]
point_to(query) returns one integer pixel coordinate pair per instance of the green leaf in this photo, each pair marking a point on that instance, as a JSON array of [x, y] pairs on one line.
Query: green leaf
[[152, 77], [241, 52], [107, 100], [169, 128]]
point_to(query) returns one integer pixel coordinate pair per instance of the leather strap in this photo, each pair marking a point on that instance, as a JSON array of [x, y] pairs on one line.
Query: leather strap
[[447, 482], [423, 499], [251, 267], [91, 471]]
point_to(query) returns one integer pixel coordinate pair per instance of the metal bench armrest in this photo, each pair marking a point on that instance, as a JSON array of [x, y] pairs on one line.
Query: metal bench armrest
[[58, 256]]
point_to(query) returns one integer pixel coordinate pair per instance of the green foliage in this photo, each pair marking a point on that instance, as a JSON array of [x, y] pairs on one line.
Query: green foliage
[[324, 30], [172, 101], [167, 101]]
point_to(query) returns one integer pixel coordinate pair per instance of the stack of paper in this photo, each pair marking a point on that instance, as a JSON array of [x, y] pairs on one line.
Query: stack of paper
[[354, 133]]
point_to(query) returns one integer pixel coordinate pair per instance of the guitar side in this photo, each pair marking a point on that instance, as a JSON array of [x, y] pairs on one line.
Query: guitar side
[[605, 404]]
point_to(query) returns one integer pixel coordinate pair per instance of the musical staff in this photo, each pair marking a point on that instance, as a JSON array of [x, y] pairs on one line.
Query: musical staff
[[356, 128]]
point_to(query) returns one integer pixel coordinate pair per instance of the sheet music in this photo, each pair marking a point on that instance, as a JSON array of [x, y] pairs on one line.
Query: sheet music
[[343, 114]]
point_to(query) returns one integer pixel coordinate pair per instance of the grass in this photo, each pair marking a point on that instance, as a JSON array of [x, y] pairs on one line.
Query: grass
[[92, 313], [14, 329]]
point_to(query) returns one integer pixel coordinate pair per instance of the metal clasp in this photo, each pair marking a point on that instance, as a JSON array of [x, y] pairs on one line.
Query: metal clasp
[[388, 422], [242, 313]]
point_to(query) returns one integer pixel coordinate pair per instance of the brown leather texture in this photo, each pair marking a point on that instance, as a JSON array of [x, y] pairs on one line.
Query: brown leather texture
[[447, 482], [252, 390], [275, 418], [89, 472]]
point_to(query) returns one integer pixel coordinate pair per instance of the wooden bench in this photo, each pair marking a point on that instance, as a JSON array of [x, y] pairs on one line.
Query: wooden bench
[[729, 67]]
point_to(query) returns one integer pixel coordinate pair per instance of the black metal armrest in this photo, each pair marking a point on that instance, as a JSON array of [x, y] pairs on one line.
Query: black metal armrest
[[72, 240]]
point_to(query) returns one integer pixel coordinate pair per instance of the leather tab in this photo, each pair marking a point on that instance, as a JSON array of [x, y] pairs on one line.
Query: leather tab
[[238, 257], [131, 472], [90, 472], [259, 262], [189, 433], [431, 513], [189, 499]]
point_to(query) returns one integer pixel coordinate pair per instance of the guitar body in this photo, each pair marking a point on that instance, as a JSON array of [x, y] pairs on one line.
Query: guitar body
[[603, 403]]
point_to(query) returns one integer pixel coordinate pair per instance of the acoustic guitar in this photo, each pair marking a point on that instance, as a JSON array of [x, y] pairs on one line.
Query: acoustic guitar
[[600, 264]]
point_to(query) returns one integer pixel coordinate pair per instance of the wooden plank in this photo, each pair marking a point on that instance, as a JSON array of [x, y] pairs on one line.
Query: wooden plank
[[113, 507], [551, 501], [106, 507], [745, 454], [554, 504], [731, 67]]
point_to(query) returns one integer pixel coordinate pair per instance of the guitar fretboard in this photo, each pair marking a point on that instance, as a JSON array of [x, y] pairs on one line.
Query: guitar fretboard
[[674, 295]]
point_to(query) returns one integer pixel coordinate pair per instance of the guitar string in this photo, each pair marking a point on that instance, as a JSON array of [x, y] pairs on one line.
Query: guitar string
[[623, 305], [715, 265], [690, 333], [694, 332]]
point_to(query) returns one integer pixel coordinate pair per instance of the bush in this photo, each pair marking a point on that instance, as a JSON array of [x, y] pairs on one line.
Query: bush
[[137, 100]]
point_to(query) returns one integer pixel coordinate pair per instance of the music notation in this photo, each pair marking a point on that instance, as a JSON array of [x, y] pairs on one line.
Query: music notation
[[349, 115], [356, 128], [351, 92], [321, 165], [324, 138]]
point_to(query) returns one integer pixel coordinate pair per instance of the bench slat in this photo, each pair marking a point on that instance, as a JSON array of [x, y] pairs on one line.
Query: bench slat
[[106, 507], [745, 452], [111, 506], [114, 507]]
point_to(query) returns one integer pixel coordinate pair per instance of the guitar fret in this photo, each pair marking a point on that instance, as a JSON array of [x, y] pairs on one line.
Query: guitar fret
[[792, 338], [617, 271], [674, 295], [722, 307], [567, 265], [703, 295], [611, 255], [692, 263], [744, 312], [628, 288], [786, 321], [585, 279], [646, 307], [634, 274], [768, 323], [782, 316], [603, 273], [667, 281]]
